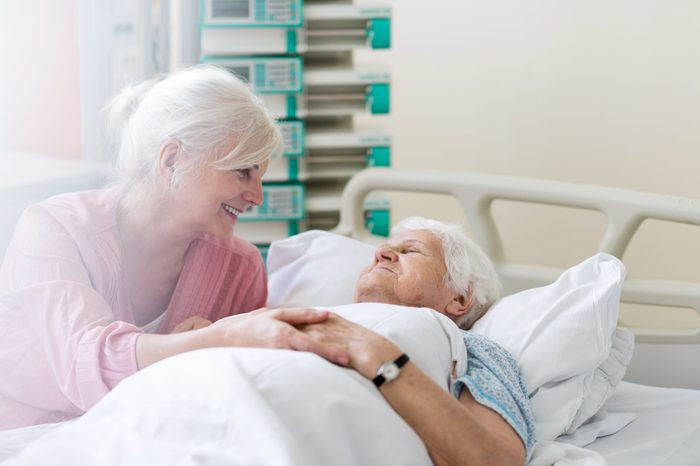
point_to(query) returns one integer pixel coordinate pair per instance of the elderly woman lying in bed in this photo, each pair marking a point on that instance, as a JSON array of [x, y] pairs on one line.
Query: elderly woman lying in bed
[[400, 400], [429, 264]]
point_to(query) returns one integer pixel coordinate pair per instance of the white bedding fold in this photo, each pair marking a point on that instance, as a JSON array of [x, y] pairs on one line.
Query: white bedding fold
[[553, 453]]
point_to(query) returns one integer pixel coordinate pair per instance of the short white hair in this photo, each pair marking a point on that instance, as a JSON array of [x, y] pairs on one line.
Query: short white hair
[[470, 272], [213, 115]]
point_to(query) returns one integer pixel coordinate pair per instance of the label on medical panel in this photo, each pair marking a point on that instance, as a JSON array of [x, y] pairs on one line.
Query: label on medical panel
[[277, 75], [293, 137], [252, 12], [266, 75], [280, 201]]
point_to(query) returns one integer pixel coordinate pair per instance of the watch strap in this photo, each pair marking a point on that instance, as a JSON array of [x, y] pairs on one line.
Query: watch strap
[[399, 362]]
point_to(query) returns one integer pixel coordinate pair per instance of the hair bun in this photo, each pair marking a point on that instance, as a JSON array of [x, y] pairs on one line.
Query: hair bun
[[119, 111]]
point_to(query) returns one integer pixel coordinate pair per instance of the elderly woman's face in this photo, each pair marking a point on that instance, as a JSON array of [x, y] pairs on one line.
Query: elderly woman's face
[[408, 270], [213, 201]]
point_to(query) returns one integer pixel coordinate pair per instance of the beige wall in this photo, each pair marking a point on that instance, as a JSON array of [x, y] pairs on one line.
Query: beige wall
[[602, 92], [39, 77]]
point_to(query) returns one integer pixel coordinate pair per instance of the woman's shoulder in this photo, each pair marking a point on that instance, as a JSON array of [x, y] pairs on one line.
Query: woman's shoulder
[[79, 214], [84, 210], [76, 228]]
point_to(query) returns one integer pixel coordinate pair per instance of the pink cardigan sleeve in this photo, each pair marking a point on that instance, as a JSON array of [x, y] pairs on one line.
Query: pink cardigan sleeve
[[88, 351]]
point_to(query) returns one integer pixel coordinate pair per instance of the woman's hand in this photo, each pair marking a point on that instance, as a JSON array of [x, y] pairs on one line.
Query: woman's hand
[[275, 328], [367, 350], [262, 328], [191, 323]]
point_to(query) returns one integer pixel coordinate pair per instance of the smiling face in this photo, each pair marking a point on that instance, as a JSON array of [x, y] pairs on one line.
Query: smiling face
[[409, 270], [212, 201]]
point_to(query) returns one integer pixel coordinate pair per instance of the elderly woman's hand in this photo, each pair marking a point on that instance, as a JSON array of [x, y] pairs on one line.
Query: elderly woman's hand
[[367, 350], [275, 328]]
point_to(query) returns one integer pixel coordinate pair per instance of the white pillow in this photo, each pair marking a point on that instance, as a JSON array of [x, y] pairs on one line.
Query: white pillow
[[315, 268], [606, 377], [559, 334]]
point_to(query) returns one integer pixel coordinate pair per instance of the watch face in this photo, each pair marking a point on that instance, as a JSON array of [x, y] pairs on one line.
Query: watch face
[[391, 371]]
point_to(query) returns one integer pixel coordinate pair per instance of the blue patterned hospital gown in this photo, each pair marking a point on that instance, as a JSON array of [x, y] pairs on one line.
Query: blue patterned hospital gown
[[494, 380]]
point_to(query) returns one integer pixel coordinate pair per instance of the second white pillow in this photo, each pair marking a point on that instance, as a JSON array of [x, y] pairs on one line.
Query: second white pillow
[[559, 334]]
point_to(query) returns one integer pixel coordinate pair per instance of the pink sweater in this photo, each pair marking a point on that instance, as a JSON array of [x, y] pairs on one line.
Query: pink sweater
[[67, 331]]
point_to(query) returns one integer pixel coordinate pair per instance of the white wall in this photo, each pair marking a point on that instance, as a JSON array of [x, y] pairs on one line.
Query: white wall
[[601, 92]]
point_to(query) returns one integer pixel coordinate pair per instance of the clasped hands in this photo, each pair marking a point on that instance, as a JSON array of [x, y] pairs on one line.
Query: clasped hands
[[303, 329]]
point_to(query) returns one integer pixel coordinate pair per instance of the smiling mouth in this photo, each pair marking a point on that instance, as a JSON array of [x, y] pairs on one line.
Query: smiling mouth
[[231, 210]]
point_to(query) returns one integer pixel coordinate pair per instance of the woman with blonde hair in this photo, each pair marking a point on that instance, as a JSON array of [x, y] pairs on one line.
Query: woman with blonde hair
[[99, 284]]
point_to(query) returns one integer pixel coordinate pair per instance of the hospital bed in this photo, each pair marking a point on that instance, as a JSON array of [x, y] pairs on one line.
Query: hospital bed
[[625, 211], [667, 427], [638, 424]]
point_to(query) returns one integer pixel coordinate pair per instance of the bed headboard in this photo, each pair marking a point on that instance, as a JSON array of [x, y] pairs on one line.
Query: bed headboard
[[624, 210]]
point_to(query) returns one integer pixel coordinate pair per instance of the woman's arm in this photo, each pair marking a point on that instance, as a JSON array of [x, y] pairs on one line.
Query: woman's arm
[[454, 431], [263, 328]]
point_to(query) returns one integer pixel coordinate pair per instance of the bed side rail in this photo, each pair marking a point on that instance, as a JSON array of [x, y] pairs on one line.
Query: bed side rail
[[624, 210]]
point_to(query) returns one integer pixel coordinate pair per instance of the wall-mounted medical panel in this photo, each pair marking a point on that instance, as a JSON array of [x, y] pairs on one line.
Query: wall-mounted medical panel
[[331, 92], [378, 214], [323, 204], [285, 169], [333, 27], [266, 75], [299, 58], [278, 216], [377, 222], [293, 137], [252, 41], [290, 166], [339, 155], [334, 93], [290, 92], [241, 28], [328, 155], [281, 201], [250, 13]]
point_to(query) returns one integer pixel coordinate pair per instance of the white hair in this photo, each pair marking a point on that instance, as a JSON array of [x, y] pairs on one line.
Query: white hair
[[213, 115], [470, 272]]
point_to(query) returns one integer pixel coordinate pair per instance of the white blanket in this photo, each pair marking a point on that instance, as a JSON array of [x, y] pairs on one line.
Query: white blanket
[[245, 406], [256, 406]]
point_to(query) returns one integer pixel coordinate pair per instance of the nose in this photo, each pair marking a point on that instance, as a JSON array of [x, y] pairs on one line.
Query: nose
[[384, 253], [254, 195]]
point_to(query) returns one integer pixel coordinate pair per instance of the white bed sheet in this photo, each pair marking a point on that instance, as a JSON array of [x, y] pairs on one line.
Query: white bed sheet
[[665, 432]]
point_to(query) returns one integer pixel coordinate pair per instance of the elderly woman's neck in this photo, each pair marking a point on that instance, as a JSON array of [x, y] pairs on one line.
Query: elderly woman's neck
[[149, 229]]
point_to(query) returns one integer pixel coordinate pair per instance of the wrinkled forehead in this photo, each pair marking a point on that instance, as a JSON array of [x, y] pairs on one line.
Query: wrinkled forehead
[[420, 238]]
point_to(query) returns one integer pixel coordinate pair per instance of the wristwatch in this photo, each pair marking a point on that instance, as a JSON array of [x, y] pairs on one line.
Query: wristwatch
[[390, 370]]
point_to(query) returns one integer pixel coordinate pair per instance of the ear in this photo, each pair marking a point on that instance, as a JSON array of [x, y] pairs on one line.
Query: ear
[[458, 306], [168, 158]]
